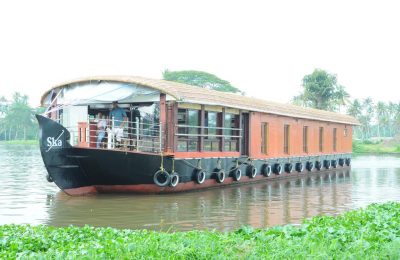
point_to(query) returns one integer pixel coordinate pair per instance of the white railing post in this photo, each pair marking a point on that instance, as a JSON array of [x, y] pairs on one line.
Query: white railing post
[[160, 137], [112, 133], [137, 134]]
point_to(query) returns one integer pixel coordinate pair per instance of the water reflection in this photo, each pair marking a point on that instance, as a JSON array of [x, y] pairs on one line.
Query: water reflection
[[259, 205], [26, 197]]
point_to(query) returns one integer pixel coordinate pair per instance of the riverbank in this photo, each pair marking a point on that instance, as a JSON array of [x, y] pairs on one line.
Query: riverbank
[[380, 147], [21, 142], [373, 232]]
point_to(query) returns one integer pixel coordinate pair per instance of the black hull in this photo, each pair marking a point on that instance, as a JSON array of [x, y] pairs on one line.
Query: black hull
[[80, 171]]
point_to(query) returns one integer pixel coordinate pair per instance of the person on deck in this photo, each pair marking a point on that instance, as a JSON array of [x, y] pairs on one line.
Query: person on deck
[[101, 129], [120, 117]]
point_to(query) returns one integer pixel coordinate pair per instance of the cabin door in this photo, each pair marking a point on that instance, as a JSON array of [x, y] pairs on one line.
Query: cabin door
[[244, 124]]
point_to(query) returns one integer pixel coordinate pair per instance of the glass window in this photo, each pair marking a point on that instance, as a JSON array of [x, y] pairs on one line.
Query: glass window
[[211, 124], [211, 141], [230, 121], [188, 130]]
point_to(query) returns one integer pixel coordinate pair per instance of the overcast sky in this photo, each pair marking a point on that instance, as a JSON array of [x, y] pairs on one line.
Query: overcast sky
[[262, 47]]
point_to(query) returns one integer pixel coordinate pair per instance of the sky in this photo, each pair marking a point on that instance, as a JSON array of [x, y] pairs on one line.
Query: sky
[[264, 48]]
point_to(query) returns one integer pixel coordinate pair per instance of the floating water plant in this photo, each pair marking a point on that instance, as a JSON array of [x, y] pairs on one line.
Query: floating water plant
[[373, 232]]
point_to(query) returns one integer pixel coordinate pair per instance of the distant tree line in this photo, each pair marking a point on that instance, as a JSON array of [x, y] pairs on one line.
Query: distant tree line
[[17, 119], [322, 91], [377, 119]]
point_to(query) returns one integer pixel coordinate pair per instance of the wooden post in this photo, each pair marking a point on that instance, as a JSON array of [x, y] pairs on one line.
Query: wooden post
[[202, 123], [222, 142], [163, 120]]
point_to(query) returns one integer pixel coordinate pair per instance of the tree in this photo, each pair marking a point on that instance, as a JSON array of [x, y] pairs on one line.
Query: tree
[[382, 116], [200, 79], [19, 121], [355, 109], [322, 91]]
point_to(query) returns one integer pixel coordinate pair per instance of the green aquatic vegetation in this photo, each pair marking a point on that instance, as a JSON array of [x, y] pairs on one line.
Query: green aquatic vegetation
[[373, 232]]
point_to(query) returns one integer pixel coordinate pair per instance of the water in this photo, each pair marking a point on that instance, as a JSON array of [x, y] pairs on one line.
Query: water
[[26, 197]]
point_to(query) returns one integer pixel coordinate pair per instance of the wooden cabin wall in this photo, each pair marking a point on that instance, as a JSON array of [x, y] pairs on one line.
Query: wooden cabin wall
[[276, 135]]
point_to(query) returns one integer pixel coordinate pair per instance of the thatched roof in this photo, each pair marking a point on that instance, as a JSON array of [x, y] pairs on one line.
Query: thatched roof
[[192, 94]]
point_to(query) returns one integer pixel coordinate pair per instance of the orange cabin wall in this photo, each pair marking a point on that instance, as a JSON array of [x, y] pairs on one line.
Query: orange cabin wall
[[276, 132]]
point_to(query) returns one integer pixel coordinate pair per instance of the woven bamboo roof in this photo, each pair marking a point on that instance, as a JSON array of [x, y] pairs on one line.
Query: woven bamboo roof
[[192, 94]]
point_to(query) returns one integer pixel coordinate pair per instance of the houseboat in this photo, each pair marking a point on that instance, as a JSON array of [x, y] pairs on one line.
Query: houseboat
[[133, 134]]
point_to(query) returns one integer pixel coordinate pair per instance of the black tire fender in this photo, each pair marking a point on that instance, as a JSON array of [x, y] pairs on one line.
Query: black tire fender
[[318, 165], [251, 171], [341, 162], [310, 166], [278, 169], [220, 175], [237, 174], [161, 178], [334, 163], [327, 164], [200, 176], [288, 167], [174, 179], [299, 167], [266, 170]]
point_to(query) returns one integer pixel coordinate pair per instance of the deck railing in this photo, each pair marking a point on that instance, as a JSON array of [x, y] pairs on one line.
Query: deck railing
[[136, 136], [212, 138]]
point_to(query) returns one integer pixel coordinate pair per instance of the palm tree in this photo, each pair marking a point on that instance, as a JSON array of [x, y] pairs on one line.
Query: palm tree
[[368, 114], [381, 113], [355, 110]]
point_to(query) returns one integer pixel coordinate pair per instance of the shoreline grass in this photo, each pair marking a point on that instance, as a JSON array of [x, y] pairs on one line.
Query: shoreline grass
[[373, 232], [368, 147]]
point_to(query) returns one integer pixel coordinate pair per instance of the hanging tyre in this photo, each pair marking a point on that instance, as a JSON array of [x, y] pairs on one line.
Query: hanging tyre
[[341, 162], [318, 165], [348, 161], [237, 174], [220, 176], [310, 166], [174, 179], [266, 170], [299, 167], [278, 169], [251, 171], [334, 163], [200, 176], [327, 164], [288, 167], [161, 178]]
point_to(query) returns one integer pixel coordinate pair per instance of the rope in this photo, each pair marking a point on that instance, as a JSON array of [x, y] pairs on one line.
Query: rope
[[162, 161]]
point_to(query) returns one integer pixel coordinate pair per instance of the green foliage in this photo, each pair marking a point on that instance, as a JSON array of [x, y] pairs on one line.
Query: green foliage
[[200, 79], [17, 121], [373, 232], [321, 91], [368, 146], [377, 120]]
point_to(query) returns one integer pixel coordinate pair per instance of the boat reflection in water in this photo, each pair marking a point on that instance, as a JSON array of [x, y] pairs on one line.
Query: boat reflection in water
[[258, 205]]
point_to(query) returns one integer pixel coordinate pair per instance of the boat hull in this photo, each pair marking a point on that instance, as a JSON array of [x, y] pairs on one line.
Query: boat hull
[[83, 170]]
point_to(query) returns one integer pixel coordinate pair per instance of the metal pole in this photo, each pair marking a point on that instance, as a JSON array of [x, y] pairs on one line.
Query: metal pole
[[160, 137], [112, 133], [137, 134]]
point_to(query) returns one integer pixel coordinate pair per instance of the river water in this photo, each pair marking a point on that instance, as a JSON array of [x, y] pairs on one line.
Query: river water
[[26, 197]]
